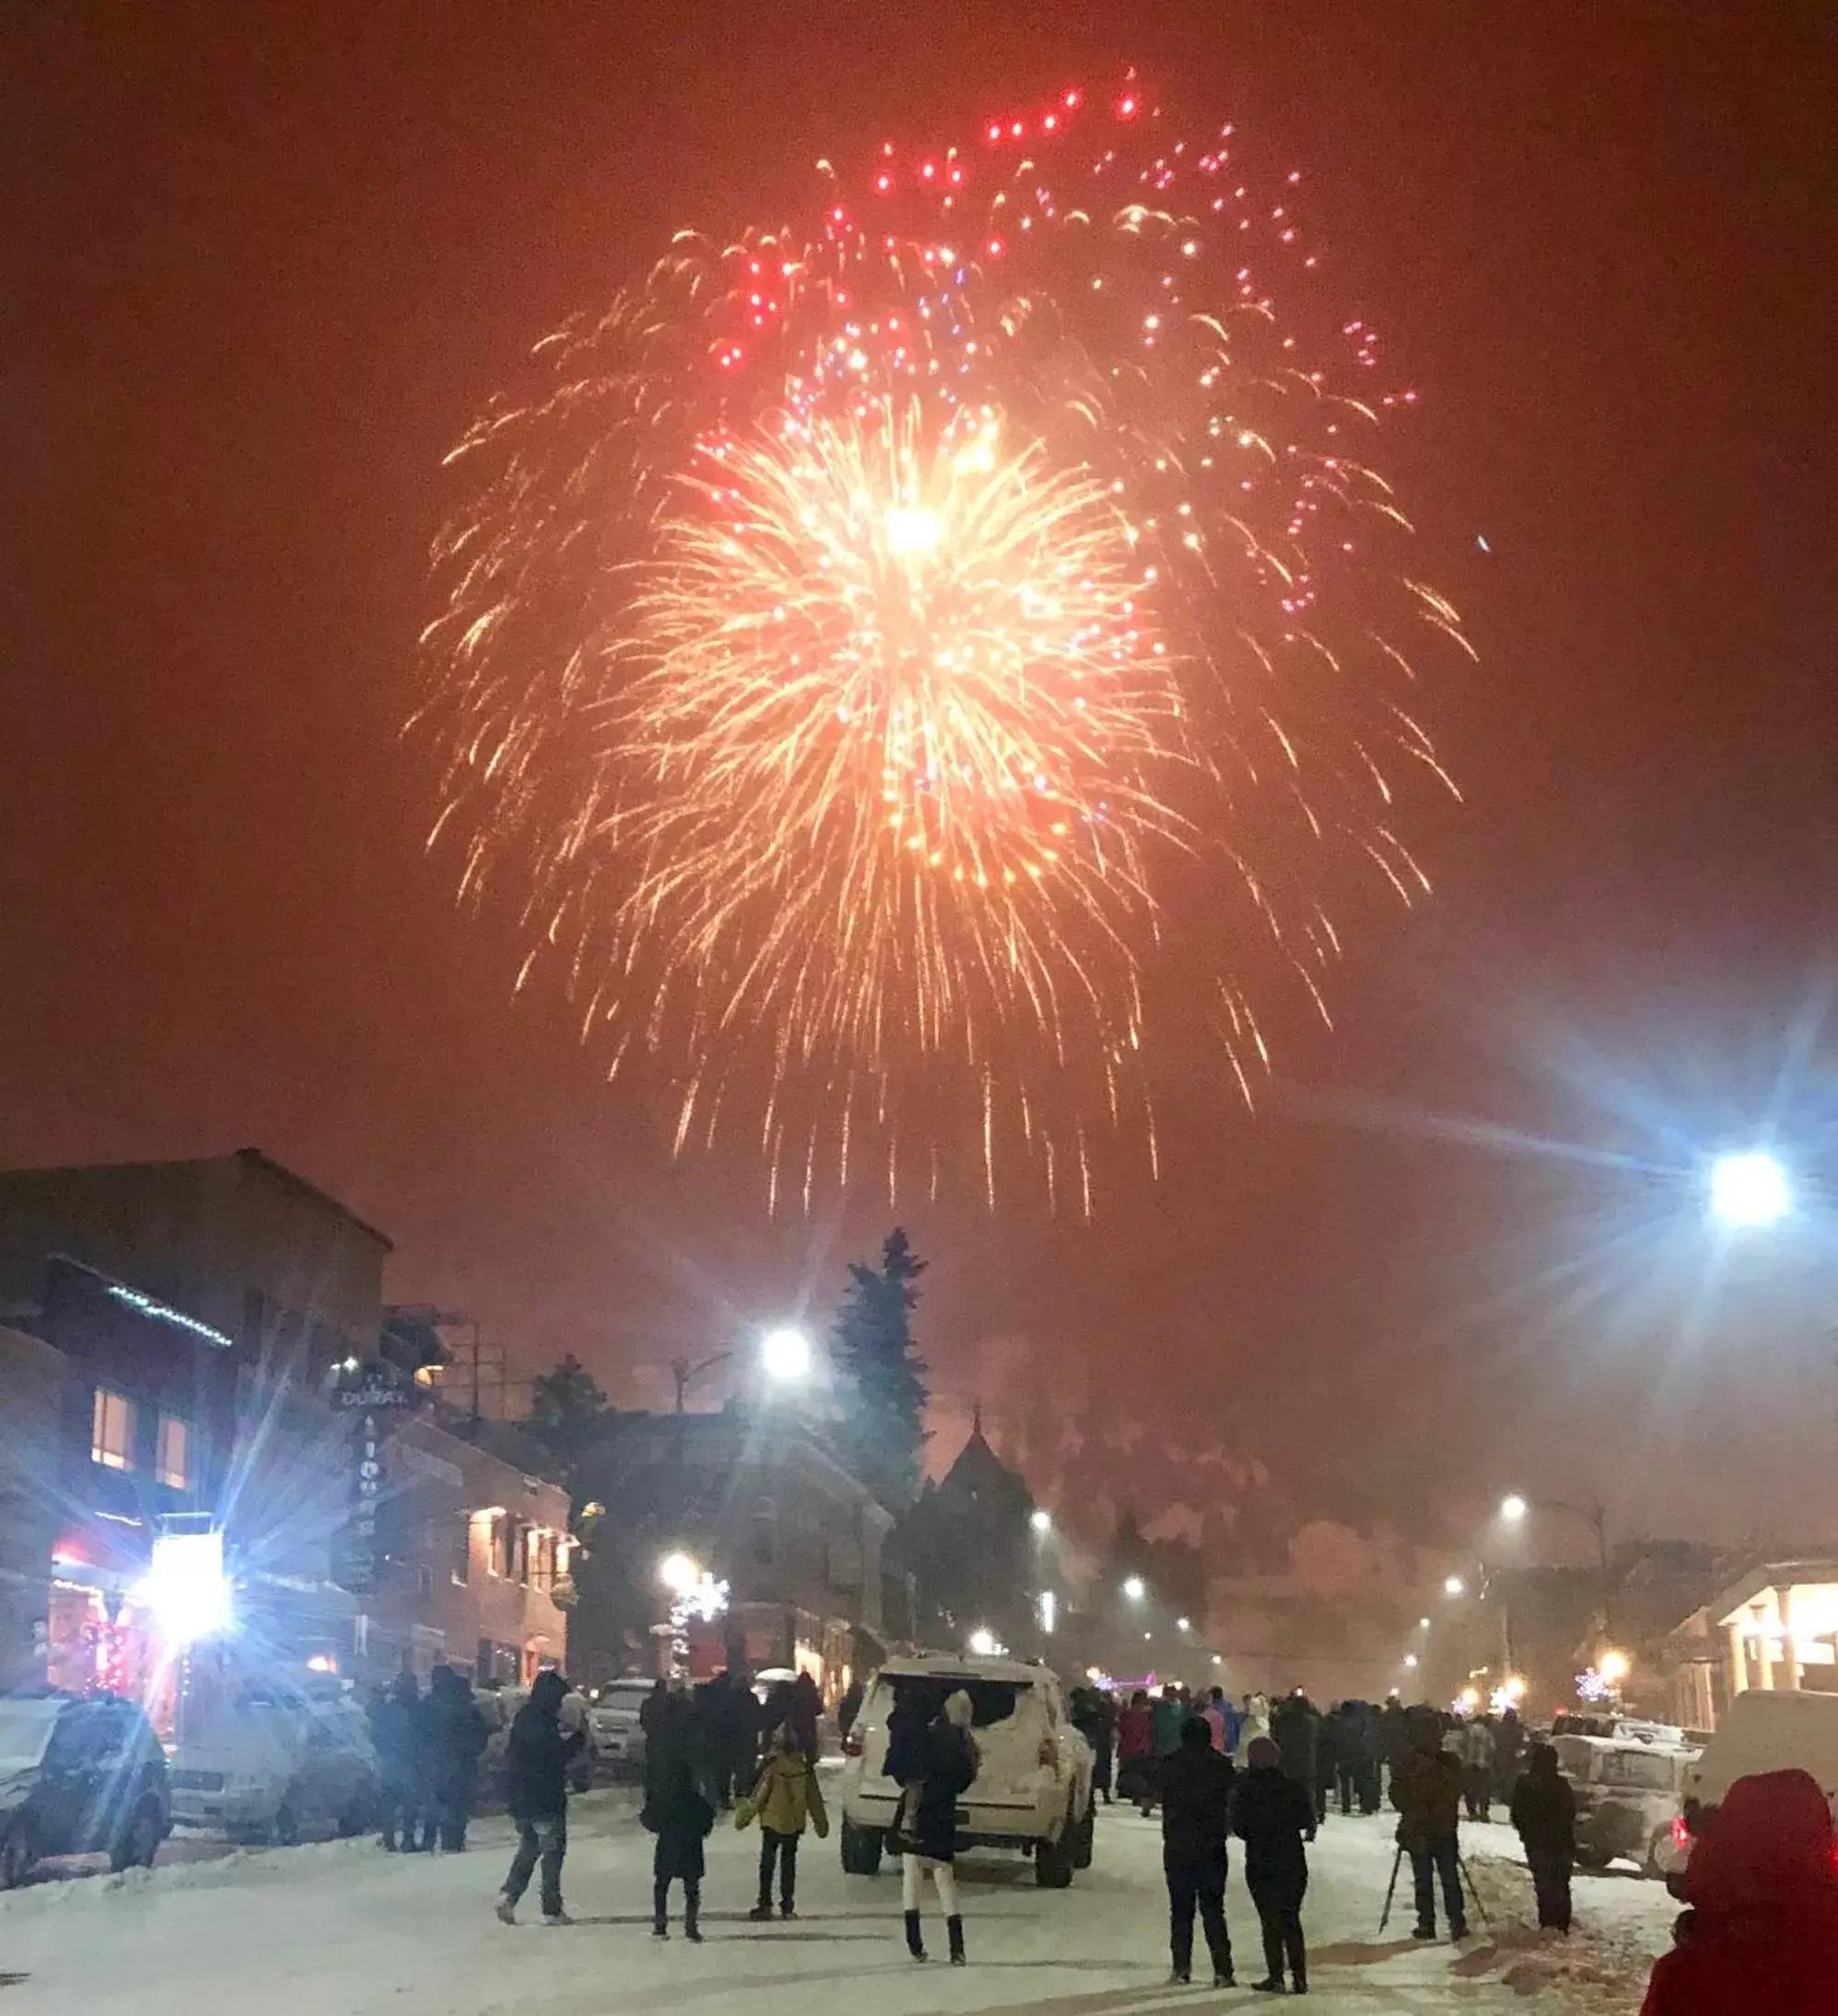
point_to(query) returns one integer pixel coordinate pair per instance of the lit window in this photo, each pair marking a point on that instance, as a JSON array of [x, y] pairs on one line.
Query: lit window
[[111, 1430], [171, 1461]]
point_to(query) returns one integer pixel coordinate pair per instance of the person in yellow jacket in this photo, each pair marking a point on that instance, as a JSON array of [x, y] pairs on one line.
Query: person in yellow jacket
[[786, 1798]]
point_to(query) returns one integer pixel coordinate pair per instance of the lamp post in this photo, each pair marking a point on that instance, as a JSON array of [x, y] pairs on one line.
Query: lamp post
[[785, 1356], [1515, 1509]]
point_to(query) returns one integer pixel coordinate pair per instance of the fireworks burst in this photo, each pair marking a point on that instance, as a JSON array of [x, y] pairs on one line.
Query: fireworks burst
[[891, 656]]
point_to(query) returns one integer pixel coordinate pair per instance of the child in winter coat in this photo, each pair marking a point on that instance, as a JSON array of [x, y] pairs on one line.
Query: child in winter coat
[[786, 1798], [680, 1819]]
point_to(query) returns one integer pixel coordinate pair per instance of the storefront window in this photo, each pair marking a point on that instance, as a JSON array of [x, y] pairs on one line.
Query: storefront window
[[111, 1430]]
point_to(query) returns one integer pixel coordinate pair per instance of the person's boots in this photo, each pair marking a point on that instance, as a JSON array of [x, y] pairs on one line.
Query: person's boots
[[761, 1912], [954, 1927], [692, 1924], [1298, 1980], [915, 1945]]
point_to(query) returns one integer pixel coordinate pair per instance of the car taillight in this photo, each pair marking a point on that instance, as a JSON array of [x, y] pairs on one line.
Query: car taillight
[[851, 1746], [1682, 1835]]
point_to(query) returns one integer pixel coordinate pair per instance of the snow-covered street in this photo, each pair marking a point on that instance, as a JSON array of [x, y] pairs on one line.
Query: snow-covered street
[[342, 1929]]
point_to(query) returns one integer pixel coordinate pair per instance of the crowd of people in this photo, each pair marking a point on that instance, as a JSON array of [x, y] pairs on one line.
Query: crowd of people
[[1270, 1773], [427, 1749], [1761, 1931]]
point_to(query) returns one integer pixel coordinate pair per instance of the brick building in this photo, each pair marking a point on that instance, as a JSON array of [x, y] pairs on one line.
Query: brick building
[[178, 1339]]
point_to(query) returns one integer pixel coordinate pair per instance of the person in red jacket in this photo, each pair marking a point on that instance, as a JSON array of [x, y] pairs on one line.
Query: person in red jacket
[[1761, 1935], [1135, 1747]]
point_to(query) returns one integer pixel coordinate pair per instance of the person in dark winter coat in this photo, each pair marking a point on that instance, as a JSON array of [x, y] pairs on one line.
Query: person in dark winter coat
[[1327, 1764], [1394, 1733], [934, 1765], [682, 1820], [453, 1738], [1426, 1786], [1272, 1816], [1544, 1814], [1349, 1733], [1296, 1725], [807, 1715], [1193, 1788], [1095, 1717], [1761, 1938], [1509, 1755], [535, 1765], [395, 1732], [1370, 1758]]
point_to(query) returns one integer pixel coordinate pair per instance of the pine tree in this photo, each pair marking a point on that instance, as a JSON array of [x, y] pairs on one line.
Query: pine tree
[[883, 1376], [567, 1408]]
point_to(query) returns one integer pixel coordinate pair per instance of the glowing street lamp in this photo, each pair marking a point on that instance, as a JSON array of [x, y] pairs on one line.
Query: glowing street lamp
[[1423, 1623], [678, 1574], [186, 1588], [1041, 1520], [1411, 1661], [982, 1644], [1514, 1508], [785, 1355], [1750, 1189], [1183, 1624], [1135, 1588], [1614, 1667], [1454, 1585]]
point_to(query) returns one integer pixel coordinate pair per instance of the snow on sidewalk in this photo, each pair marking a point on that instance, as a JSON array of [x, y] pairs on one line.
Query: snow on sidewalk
[[342, 1929]]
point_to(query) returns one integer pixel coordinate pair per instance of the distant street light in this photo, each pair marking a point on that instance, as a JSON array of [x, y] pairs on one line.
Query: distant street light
[[982, 1644], [1041, 1520], [1135, 1588], [1183, 1624], [1423, 1623], [1750, 1189], [1454, 1585], [678, 1574], [785, 1355], [1410, 1660], [1512, 1508], [1614, 1667]]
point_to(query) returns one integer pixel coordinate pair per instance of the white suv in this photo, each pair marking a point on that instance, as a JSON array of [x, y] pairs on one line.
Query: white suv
[[1033, 1790]]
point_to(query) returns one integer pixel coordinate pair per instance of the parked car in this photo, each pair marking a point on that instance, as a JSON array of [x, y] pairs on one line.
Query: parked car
[[272, 1766], [614, 1712], [78, 1777], [1628, 1796], [1761, 1730], [1033, 1791]]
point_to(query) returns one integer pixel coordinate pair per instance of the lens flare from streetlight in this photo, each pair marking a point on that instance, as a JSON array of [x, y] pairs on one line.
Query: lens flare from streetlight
[[785, 1355], [1750, 1189], [678, 1574]]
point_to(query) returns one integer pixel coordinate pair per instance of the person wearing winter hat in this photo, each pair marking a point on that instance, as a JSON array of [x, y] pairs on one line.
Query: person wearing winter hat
[[935, 1767], [536, 1759], [1272, 1814], [1193, 1788]]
